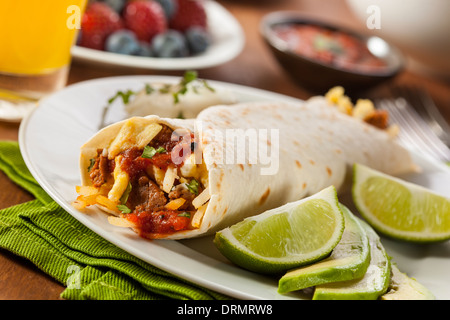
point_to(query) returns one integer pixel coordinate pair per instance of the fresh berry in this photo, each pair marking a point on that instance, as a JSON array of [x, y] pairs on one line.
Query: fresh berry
[[189, 13], [169, 7], [98, 22], [171, 44], [145, 18], [198, 39], [145, 50], [116, 5], [123, 42]]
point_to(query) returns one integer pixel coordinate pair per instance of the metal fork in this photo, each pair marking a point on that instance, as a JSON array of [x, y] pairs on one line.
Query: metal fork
[[414, 133], [427, 109]]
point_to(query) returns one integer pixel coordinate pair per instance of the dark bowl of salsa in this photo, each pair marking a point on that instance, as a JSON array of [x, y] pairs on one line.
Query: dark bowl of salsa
[[320, 55]]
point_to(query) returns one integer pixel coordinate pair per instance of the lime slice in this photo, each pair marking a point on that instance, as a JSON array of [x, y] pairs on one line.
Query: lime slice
[[403, 287], [370, 287], [348, 260], [400, 209], [292, 235]]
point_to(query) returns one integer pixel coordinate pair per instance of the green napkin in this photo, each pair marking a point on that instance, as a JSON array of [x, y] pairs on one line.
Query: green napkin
[[89, 266]]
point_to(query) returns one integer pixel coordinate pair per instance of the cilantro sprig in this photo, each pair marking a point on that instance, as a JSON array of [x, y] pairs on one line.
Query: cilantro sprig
[[175, 89], [125, 95], [149, 152], [123, 208], [185, 214], [193, 186]]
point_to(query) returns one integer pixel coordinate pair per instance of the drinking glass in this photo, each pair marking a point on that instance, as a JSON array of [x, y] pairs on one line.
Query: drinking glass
[[35, 41]]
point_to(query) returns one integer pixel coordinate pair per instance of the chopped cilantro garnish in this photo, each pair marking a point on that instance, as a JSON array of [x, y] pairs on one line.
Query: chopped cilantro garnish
[[180, 115], [123, 208], [149, 89], [125, 95], [91, 164], [206, 84], [175, 89], [185, 214], [188, 77], [193, 186], [126, 193], [149, 152]]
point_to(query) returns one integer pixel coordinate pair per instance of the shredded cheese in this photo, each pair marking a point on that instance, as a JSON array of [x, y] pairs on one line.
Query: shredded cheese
[[86, 190], [158, 175], [120, 222], [169, 179], [201, 198], [104, 201], [175, 204], [198, 216]]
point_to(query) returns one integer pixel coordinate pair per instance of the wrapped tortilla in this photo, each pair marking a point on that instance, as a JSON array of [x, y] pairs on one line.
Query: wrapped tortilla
[[175, 179]]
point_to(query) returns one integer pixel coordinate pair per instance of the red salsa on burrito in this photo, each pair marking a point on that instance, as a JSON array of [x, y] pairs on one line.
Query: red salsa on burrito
[[153, 210]]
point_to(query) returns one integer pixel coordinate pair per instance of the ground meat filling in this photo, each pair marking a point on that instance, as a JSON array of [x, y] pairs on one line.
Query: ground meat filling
[[147, 196], [146, 200], [181, 191], [100, 170], [164, 139]]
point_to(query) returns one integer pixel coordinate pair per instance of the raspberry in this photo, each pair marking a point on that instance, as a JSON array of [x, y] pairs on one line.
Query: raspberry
[[145, 18], [188, 13], [98, 22]]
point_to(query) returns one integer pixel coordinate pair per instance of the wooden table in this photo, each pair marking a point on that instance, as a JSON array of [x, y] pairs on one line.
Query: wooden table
[[255, 67]]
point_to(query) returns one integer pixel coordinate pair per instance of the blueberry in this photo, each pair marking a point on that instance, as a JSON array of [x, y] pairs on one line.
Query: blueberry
[[169, 7], [145, 50], [123, 42], [116, 5], [198, 39], [170, 44]]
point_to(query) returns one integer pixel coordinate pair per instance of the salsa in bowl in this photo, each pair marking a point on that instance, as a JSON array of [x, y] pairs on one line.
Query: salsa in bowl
[[320, 55]]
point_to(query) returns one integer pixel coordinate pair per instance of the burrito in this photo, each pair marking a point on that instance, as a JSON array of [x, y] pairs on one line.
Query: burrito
[[183, 178]]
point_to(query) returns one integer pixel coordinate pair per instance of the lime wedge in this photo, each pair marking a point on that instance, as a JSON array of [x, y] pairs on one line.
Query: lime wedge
[[400, 209], [283, 238], [348, 260], [403, 287], [370, 287]]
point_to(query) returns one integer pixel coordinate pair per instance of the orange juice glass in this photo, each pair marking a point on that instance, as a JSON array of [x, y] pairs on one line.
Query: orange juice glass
[[35, 41]]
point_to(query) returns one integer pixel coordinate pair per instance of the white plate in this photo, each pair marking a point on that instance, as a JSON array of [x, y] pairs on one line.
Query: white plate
[[50, 139], [227, 36]]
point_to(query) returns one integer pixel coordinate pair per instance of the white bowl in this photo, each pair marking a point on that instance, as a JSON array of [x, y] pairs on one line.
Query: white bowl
[[420, 28]]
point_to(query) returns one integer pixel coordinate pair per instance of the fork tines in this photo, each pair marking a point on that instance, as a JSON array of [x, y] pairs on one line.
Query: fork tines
[[422, 102], [414, 133]]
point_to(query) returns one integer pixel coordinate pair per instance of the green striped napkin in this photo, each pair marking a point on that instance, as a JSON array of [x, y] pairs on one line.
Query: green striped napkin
[[86, 264]]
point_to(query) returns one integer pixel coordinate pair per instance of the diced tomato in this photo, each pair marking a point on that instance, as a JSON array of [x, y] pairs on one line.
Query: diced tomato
[[161, 160], [160, 222]]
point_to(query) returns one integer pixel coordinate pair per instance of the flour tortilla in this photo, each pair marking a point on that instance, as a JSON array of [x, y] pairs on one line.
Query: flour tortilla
[[316, 144]]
